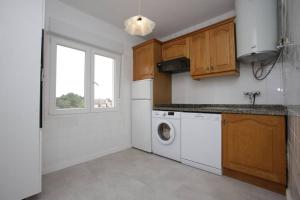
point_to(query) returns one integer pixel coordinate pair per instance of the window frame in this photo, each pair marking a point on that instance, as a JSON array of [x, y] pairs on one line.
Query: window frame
[[116, 71], [88, 76]]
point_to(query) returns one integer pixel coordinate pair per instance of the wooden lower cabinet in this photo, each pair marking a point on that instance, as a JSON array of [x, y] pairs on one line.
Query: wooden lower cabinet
[[253, 149]]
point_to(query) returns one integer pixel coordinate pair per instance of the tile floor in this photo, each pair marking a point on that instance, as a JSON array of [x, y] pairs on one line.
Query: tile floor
[[135, 175]]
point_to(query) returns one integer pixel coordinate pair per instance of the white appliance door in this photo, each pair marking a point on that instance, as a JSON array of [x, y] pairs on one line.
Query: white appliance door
[[141, 124], [142, 89], [201, 138], [20, 64], [165, 133]]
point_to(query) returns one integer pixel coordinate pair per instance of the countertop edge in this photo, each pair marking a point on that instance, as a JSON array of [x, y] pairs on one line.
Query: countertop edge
[[230, 110]]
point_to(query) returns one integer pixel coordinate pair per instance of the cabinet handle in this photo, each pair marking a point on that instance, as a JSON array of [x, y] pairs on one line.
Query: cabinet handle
[[212, 68], [207, 68]]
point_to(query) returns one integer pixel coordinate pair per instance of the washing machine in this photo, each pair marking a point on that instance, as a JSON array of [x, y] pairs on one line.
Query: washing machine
[[166, 134]]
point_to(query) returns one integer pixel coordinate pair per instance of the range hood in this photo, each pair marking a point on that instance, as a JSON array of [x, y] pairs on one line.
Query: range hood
[[175, 66]]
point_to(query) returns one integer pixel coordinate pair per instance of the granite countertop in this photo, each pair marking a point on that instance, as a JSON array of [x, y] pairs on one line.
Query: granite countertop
[[225, 108]]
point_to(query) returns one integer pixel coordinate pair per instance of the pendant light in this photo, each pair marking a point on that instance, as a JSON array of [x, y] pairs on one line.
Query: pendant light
[[139, 25]]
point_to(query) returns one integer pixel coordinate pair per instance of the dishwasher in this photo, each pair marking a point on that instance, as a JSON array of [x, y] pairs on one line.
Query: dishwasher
[[201, 141]]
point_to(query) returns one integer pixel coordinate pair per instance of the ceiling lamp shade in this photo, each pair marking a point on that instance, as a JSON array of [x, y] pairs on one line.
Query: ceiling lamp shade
[[139, 25]]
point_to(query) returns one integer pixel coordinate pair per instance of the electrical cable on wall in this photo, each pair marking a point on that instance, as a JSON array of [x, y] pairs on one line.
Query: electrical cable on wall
[[262, 72]]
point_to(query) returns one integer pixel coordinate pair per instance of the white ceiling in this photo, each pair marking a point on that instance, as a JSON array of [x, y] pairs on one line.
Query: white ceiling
[[170, 15]]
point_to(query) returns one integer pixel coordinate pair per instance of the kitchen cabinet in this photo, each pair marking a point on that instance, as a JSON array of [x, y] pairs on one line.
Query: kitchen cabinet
[[222, 48], [200, 55], [145, 59], [176, 49], [253, 149], [212, 51]]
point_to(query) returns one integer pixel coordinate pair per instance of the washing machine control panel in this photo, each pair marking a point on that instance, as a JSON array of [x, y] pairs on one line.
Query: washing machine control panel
[[166, 114]]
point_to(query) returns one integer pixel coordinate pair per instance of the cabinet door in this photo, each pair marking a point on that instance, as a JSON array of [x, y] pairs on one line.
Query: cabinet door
[[222, 48], [255, 145], [176, 49], [143, 58], [199, 53]]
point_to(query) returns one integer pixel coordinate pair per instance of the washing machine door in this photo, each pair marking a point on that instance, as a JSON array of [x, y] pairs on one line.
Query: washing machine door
[[165, 132]]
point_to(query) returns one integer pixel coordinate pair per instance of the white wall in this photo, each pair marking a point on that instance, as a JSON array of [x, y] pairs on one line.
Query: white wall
[[227, 89], [291, 77], [224, 90], [20, 58], [71, 139]]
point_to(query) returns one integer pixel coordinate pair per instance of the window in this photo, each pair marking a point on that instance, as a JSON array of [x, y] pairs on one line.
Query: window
[[83, 79], [103, 82], [70, 64]]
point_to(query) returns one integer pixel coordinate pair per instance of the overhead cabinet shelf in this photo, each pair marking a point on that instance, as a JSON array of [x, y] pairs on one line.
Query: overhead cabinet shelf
[[211, 51], [176, 49]]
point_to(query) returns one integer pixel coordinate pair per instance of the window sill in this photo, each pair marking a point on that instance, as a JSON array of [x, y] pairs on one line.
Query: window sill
[[82, 112]]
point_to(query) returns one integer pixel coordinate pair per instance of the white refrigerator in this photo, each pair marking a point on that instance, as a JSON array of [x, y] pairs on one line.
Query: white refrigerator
[[142, 101]]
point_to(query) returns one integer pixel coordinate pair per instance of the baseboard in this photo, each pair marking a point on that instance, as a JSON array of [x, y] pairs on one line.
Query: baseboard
[[269, 185], [87, 158]]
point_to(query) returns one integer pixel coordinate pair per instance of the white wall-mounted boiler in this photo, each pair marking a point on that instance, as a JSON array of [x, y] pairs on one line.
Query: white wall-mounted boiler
[[256, 30]]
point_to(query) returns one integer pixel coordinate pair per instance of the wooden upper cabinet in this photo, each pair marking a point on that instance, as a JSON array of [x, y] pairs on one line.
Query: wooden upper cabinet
[[176, 49], [222, 48], [145, 58], [212, 51], [255, 145], [199, 54]]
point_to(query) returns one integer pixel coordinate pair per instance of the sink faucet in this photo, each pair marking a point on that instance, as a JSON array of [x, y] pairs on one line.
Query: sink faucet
[[252, 96]]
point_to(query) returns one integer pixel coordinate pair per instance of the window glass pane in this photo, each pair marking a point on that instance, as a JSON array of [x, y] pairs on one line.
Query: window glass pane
[[103, 82], [70, 64]]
